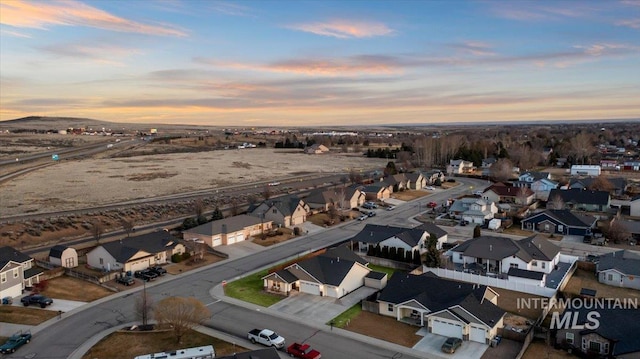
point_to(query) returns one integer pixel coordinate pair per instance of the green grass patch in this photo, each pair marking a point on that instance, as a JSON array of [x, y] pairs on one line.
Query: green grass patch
[[250, 289], [382, 269], [341, 320]]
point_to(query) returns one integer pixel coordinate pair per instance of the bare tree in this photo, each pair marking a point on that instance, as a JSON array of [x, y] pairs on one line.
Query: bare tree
[[97, 230], [582, 146], [266, 192], [332, 212], [601, 183], [198, 207], [355, 177], [144, 307], [234, 207], [181, 314], [501, 170], [556, 202], [617, 232], [127, 226], [523, 196]]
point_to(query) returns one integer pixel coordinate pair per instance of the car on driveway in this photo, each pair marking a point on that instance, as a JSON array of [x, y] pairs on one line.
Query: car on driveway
[[451, 345], [15, 341], [391, 208], [126, 280], [371, 214], [145, 275], [158, 270], [37, 299], [363, 217]]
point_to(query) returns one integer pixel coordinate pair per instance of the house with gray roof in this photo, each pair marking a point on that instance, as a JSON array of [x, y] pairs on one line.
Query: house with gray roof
[[560, 221], [497, 255], [473, 209], [407, 239], [17, 272], [228, 230], [376, 191], [436, 232], [619, 184], [416, 180], [342, 198], [285, 211], [582, 199], [446, 307], [335, 273], [615, 335], [135, 253], [619, 269]]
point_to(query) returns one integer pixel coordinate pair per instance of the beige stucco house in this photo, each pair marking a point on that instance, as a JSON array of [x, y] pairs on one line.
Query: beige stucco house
[[228, 231]]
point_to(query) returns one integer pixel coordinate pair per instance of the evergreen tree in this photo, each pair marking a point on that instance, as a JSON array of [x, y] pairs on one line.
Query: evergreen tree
[[217, 214]]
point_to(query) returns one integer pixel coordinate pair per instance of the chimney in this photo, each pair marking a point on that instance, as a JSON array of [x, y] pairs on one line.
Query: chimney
[[224, 229]]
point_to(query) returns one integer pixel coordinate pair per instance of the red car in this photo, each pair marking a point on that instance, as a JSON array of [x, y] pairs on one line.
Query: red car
[[303, 351], [432, 205]]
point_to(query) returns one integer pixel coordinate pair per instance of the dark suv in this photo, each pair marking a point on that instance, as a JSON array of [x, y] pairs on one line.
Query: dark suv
[[158, 270], [145, 275], [38, 299]]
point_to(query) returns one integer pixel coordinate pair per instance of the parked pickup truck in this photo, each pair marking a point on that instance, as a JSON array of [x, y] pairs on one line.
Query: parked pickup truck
[[266, 337], [14, 342], [40, 300], [303, 351]]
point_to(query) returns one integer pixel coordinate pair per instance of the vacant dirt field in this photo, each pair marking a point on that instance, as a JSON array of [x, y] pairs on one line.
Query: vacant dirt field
[[393, 331], [585, 279], [74, 289], [538, 350]]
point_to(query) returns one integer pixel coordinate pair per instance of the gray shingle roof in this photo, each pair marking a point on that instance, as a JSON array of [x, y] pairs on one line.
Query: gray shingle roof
[[373, 233], [623, 261], [8, 254], [56, 251], [580, 196], [619, 325], [433, 229], [498, 248], [437, 294], [332, 266], [567, 217], [154, 242]]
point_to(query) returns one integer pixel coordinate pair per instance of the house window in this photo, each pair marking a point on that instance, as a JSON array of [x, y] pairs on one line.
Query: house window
[[460, 256], [3, 277], [534, 263], [584, 344], [529, 225], [101, 261], [15, 273], [275, 211], [543, 265], [609, 277], [605, 348], [594, 346], [569, 338], [390, 307], [560, 228], [513, 265], [546, 226]]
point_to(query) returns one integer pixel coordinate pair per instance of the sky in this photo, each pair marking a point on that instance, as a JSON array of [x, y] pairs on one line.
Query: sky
[[300, 63]]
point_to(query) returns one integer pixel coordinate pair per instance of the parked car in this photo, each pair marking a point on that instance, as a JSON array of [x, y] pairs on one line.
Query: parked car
[[432, 205], [145, 275], [126, 280], [391, 208], [303, 351], [15, 341], [451, 345], [363, 217], [38, 299], [158, 270], [266, 337], [371, 214], [430, 188]]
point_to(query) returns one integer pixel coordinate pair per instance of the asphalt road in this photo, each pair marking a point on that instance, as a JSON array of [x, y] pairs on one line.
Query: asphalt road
[[62, 338]]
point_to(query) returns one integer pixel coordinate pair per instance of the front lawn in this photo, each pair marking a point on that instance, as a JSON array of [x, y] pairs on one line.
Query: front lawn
[[345, 317], [382, 269], [22, 315], [70, 288], [249, 289]]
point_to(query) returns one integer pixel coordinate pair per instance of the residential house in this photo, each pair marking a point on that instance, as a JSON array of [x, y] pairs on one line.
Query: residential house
[[63, 256], [135, 253], [619, 269], [633, 228], [407, 239], [497, 255], [376, 191], [619, 184], [416, 180], [609, 165], [335, 273], [527, 178], [446, 307], [316, 149], [17, 272], [460, 166], [397, 182], [584, 200], [473, 209], [631, 165], [561, 162], [541, 188], [560, 221], [432, 176], [228, 230], [488, 162], [615, 335], [436, 232], [500, 192], [634, 207], [285, 211], [342, 197]]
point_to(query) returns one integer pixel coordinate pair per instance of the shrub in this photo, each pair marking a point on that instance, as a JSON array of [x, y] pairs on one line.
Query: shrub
[[296, 231], [186, 255], [176, 258]]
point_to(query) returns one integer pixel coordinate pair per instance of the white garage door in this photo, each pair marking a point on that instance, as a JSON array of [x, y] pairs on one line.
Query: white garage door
[[477, 335], [447, 329], [139, 265], [240, 237], [12, 292], [311, 288]]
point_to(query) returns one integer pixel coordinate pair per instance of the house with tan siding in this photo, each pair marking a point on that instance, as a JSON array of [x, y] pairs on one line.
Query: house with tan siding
[[17, 272], [228, 230]]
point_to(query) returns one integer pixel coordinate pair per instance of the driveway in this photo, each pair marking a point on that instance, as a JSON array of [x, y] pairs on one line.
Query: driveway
[[240, 249], [320, 309], [58, 304], [432, 343]]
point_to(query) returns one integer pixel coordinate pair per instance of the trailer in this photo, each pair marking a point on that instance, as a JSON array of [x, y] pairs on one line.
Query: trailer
[[204, 352]]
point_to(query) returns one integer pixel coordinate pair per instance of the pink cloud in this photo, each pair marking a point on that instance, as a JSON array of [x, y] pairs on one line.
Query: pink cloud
[[632, 23], [345, 29], [40, 15]]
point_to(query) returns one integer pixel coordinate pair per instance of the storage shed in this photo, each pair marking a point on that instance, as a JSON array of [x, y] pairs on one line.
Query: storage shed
[[63, 256]]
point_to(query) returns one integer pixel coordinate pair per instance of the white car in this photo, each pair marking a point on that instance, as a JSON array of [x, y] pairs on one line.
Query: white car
[[430, 188], [391, 208], [363, 217]]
